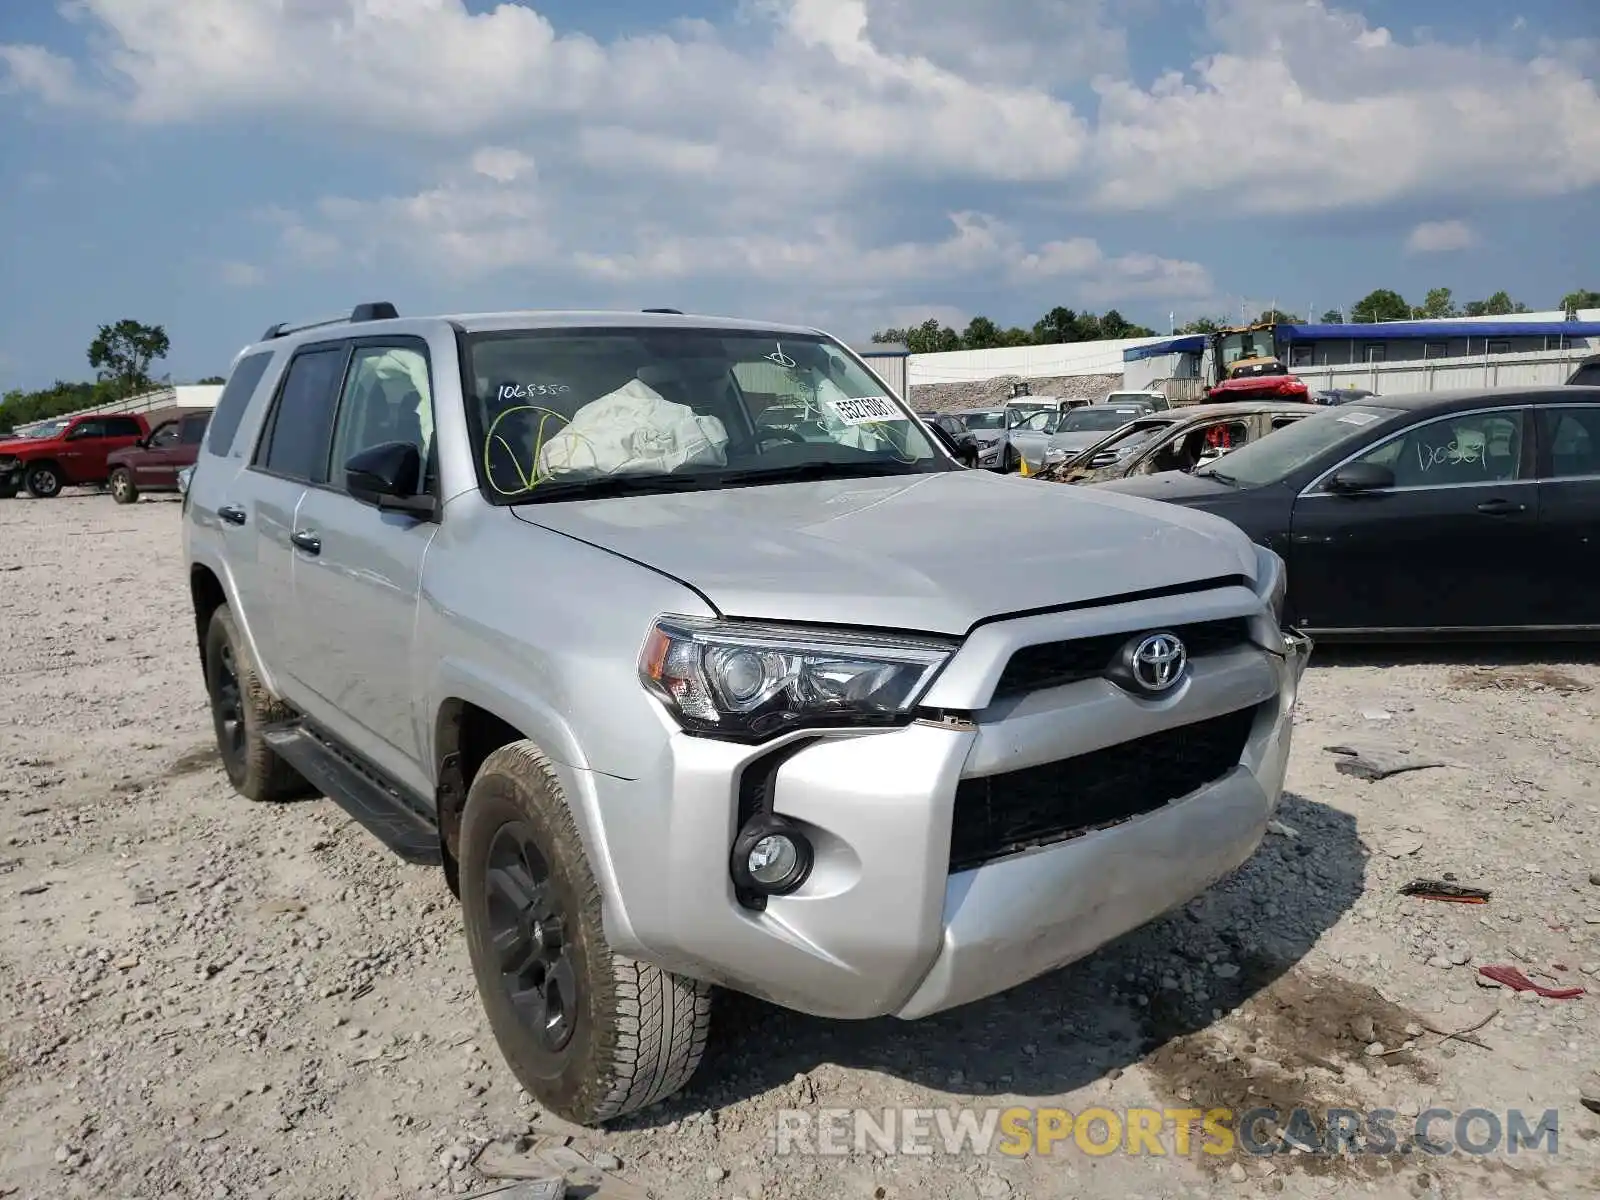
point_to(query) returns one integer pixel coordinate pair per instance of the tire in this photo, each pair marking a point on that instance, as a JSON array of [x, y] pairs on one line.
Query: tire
[[123, 488], [1008, 461], [625, 1034], [240, 709], [7, 491], [43, 481]]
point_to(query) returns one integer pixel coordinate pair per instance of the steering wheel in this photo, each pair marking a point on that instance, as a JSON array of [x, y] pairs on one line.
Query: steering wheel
[[774, 434]]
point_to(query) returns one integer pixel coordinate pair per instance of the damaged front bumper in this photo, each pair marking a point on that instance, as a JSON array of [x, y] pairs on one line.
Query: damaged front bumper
[[892, 920]]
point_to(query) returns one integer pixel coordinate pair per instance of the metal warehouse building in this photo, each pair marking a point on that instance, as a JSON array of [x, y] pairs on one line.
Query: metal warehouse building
[[891, 362]]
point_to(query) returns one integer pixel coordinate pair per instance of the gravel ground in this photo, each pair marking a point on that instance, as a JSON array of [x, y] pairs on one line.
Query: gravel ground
[[208, 998]]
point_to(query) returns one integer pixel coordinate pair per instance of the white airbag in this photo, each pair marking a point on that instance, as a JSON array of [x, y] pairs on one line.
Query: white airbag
[[634, 428]]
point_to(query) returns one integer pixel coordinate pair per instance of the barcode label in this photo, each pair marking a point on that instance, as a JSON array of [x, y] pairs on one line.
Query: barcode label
[[864, 410]]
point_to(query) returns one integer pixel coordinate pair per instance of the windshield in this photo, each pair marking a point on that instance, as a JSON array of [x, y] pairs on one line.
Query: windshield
[[986, 420], [48, 430], [1100, 417], [1284, 451], [1252, 343], [563, 413]]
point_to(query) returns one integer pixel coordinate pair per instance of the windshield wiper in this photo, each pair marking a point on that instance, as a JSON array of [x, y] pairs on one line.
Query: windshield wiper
[[1213, 473], [602, 486], [815, 470]]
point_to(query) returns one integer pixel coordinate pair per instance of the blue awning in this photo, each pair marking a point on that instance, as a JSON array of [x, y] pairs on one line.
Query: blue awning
[[1193, 343], [1437, 331]]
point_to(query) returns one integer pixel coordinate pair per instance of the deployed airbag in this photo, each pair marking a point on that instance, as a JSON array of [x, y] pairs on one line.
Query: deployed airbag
[[633, 429]]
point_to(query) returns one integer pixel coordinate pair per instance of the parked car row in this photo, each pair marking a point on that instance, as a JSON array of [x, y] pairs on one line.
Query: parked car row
[[1437, 514], [120, 451]]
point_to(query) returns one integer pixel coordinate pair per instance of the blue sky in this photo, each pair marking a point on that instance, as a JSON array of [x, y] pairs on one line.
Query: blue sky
[[215, 167]]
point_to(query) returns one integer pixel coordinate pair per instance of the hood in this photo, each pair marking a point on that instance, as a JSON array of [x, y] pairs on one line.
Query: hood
[[18, 445], [1175, 486], [1261, 387], [1078, 440], [932, 553]]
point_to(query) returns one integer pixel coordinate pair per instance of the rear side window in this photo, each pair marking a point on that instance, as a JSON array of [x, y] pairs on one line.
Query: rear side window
[[194, 430], [234, 399], [122, 427], [1587, 375], [296, 441]]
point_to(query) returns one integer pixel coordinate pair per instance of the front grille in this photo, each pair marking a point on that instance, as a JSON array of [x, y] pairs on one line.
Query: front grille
[[1003, 814], [1052, 664]]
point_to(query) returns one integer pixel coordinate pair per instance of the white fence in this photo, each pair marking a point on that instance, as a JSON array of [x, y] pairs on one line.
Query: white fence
[[184, 395], [1531, 368], [1029, 362]]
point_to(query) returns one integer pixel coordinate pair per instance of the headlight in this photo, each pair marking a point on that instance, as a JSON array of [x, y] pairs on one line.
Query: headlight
[[7, 462], [750, 682]]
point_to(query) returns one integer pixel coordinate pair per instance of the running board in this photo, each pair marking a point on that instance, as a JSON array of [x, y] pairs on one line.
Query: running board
[[385, 810]]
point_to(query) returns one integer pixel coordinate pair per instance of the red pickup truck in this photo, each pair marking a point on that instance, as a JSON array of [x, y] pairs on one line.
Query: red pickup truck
[[66, 452]]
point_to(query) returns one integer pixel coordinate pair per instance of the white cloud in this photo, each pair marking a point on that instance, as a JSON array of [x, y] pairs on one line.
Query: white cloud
[[241, 274], [35, 70], [501, 164], [1438, 237], [1302, 106], [802, 146], [465, 228], [1306, 107]]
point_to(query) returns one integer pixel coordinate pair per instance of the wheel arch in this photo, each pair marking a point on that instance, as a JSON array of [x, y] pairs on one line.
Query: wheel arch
[[468, 727]]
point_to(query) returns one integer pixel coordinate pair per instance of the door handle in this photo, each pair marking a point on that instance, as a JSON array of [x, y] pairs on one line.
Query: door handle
[[307, 541], [232, 514], [1501, 508]]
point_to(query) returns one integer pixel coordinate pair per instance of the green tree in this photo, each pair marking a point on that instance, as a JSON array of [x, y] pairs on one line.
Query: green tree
[[122, 354], [1333, 317], [1056, 326], [1202, 325], [18, 407], [1381, 305], [981, 334], [930, 337], [1276, 316], [217, 379], [1437, 307], [1580, 299], [1497, 305]]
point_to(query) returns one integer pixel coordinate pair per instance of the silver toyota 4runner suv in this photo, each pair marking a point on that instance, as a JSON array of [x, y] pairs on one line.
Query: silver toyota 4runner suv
[[679, 698]]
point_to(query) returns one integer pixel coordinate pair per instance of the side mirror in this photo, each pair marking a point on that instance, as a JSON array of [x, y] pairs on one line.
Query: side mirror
[[389, 476], [1361, 477]]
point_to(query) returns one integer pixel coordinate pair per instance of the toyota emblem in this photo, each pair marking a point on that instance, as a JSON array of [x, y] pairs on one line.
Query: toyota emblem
[[1155, 662]]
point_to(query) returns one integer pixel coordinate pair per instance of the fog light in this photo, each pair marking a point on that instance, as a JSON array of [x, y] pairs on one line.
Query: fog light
[[770, 856]]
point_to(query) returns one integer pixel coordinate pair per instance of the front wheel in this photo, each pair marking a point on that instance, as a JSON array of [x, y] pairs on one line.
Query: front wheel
[[591, 1034], [123, 489], [1008, 462], [43, 481]]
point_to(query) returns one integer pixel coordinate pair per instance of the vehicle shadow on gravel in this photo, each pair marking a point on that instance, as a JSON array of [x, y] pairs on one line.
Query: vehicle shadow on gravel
[[1484, 653], [1080, 1024]]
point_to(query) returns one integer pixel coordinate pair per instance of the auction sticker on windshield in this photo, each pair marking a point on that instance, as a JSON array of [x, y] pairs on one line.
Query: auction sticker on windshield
[[1357, 418], [863, 410]]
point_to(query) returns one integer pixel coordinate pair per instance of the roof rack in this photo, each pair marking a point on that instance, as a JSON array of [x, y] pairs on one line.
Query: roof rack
[[372, 310], [676, 312]]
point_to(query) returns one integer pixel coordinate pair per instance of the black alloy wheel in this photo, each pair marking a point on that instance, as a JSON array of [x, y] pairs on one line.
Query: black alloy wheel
[[530, 938]]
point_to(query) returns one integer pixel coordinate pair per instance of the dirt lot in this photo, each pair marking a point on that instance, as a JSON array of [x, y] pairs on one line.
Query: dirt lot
[[206, 998]]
